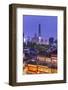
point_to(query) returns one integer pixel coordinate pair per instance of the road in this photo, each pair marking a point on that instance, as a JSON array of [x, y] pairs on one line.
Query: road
[[38, 69]]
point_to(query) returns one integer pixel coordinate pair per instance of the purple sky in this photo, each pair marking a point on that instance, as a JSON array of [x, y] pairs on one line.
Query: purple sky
[[48, 26]]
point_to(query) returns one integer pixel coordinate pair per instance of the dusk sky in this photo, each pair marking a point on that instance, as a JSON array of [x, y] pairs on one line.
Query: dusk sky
[[48, 26]]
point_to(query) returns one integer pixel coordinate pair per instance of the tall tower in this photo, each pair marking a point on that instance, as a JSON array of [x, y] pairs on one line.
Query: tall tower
[[39, 33]]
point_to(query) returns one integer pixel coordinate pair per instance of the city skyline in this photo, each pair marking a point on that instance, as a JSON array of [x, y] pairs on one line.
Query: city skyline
[[48, 26], [40, 44]]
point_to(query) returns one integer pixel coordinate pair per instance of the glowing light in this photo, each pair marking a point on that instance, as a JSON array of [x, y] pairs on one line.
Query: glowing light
[[24, 39], [40, 38]]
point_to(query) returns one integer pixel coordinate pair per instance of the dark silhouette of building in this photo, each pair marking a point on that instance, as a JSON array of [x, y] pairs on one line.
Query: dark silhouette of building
[[39, 32], [51, 41]]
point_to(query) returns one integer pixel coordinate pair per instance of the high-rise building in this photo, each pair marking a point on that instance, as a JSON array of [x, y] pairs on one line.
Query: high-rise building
[[51, 40], [39, 33], [39, 30]]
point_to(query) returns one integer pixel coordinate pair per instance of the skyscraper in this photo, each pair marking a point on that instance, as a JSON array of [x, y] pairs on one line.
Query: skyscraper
[[39, 30], [39, 33], [51, 40]]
